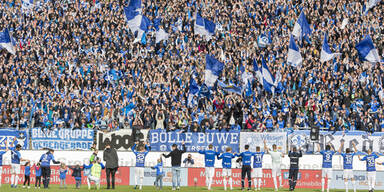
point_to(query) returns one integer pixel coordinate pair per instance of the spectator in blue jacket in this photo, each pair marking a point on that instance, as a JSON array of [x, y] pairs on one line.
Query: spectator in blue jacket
[[45, 161]]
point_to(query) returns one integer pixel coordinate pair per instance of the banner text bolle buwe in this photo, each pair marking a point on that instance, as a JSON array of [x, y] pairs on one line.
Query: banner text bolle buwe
[[161, 140]]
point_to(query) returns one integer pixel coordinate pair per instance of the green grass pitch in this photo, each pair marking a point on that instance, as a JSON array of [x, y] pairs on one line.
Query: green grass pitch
[[70, 188]]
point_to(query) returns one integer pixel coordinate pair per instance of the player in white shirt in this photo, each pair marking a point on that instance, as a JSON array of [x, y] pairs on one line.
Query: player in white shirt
[[276, 165]]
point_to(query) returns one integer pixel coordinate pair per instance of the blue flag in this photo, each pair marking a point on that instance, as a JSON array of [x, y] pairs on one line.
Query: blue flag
[[367, 50], [7, 42], [268, 78], [193, 87], [213, 69], [326, 53], [204, 27], [294, 57], [301, 28]]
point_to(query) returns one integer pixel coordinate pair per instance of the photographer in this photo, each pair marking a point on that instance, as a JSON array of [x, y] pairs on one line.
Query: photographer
[[189, 162]]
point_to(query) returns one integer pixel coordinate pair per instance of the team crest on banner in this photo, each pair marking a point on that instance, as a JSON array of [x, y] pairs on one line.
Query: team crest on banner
[[299, 140]]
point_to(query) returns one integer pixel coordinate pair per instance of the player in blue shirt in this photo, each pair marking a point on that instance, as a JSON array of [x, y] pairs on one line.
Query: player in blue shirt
[[348, 165], [210, 156], [45, 163], [257, 172], [227, 167], [370, 158], [15, 164], [327, 165], [1, 159], [246, 157], [140, 161]]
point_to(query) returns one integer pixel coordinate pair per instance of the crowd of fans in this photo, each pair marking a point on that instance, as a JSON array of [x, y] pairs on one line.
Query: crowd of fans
[[77, 66]]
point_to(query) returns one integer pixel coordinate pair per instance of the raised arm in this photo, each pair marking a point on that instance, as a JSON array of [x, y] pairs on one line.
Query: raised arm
[[318, 148], [332, 148], [184, 148], [220, 156], [87, 166], [146, 146], [341, 147], [169, 154], [354, 147], [265, 147], [134, 147], [54, 161]]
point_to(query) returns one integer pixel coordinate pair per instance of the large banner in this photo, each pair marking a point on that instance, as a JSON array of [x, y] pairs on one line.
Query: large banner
[[15, 137], [363, 140], [122, 139], [63, 139], [150, 176], [161, 140], [257, 139]]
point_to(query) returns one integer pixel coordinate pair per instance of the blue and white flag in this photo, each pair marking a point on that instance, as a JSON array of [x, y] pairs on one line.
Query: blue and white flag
[[204, 27], [326, 53], [294, 57], [143, 28], [230, 88], [371, 4], [213, 69], [6, 42], [268, 78], [367, 50], [262, 41], [135, 20], [259, 76], [161, 35], [27, 5], [97, 4], [246, 77], [301, 28], [193, 91]]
